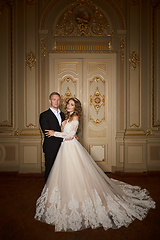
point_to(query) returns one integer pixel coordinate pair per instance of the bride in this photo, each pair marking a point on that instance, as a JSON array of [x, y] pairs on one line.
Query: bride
[[78, 194]]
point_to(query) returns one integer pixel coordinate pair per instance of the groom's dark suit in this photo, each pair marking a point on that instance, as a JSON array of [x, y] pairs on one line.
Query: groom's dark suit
[[51, 145]]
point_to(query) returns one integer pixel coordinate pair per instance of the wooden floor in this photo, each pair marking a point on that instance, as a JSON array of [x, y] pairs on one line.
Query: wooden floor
[[18, 195]]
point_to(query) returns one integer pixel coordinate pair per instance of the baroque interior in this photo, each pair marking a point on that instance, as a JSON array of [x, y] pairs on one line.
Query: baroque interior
[[104, 52]]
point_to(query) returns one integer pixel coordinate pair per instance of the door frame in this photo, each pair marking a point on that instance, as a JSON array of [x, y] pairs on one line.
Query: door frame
[[113, 58]]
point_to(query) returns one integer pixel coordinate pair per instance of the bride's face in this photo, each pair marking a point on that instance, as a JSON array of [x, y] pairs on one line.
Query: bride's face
[[71, 106]]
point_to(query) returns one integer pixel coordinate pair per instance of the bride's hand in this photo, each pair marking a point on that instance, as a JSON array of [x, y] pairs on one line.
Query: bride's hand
[[63, 124], [49, 133]]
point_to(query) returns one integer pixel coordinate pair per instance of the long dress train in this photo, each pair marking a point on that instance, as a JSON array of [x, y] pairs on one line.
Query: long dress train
[[79, 195]]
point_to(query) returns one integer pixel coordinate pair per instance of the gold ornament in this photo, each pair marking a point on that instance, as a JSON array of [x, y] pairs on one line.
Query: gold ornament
[[30, 60], [97, 100], [134, 60]]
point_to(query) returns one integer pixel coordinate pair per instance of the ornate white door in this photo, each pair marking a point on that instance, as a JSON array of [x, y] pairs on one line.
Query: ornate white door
[[92, 81]]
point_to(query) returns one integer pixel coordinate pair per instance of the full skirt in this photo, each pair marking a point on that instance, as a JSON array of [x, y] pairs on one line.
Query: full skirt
[[79, 195]]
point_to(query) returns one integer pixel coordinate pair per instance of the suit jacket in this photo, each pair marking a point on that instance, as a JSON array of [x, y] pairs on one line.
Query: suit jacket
[[48, 121]]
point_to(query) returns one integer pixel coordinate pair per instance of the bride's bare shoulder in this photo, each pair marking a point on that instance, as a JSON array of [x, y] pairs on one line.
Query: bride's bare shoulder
[[75, 118]]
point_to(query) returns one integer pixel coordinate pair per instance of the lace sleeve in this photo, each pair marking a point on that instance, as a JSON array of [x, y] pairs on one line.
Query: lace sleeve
[[71, 131]]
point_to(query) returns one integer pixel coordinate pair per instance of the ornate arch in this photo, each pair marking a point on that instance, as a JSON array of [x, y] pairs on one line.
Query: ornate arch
[[112, 4]]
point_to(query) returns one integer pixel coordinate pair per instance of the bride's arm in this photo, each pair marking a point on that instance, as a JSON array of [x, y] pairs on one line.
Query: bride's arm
[[64, 135]]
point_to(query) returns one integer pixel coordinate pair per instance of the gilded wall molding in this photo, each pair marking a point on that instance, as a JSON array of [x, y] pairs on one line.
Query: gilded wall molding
[[112, 2], [122, 49], [104, 152], [43, 49], [82, 18], [30, 125], [71, 83], [134, 59], [30, 60], [97, 98]]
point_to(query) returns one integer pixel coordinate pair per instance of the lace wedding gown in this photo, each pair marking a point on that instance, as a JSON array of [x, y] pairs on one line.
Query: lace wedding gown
[[79, 195]]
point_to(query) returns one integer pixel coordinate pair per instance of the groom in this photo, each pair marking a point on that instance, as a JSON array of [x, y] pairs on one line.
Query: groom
[[51, 120]]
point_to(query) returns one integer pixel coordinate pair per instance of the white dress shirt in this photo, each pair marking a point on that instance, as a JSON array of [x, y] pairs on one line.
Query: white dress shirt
[[57, 114]]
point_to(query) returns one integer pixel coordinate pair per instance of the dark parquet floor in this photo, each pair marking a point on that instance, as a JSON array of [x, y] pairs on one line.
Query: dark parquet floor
[[18, 195]]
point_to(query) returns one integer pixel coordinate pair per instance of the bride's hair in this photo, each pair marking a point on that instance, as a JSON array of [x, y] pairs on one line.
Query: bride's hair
[[77, 110]]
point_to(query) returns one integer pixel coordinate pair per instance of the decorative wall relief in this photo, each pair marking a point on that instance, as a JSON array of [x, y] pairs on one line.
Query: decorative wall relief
[[67, 89], [99, 66], [122, 48], [97, 134], [43, 49], [97, 100], [83, 18], [134, 60], [69, 66], [30, 60]]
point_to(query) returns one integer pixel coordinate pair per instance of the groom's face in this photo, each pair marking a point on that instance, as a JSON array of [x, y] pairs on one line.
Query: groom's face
[[55, 101]]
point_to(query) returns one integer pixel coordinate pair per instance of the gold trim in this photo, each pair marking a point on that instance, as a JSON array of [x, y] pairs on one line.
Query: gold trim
[[134, 59], [30, 60], [68, 94], [82, 18], [97, 100], [54, 1], [43, 49], [83, 51], [15, 133], [122, 49], [134, 125], [149, 132], [134, 132], [30, 126], [103, 146]]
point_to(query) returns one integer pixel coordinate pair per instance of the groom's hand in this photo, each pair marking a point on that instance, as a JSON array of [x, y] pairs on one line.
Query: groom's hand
[[49, 133]]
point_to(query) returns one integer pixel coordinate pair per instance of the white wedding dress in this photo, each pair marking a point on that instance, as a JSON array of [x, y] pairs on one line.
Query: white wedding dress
[[79, 195]]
